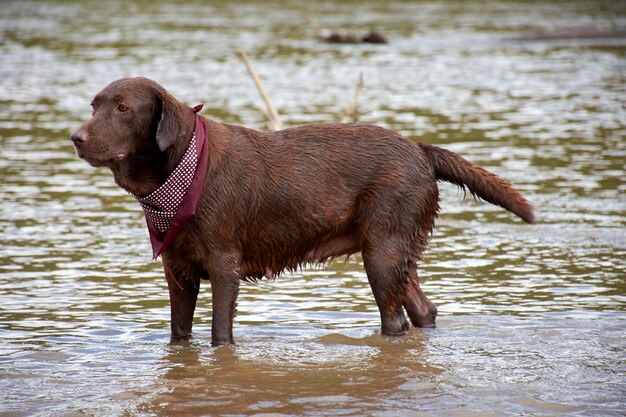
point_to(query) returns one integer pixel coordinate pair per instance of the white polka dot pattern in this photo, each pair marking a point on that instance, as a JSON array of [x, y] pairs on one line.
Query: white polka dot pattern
[[161, 205]]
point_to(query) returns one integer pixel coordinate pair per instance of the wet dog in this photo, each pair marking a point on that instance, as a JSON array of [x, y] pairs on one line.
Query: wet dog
[[269, 202]]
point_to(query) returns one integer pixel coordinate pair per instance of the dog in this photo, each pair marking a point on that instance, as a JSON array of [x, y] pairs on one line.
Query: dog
[[259, 203]]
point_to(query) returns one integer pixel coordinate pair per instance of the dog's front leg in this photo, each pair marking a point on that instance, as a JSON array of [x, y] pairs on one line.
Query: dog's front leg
[[224, 292], [224, 289], [183, 295]]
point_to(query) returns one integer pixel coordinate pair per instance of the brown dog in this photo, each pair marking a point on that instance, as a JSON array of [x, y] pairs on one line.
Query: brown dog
[[275, 201]]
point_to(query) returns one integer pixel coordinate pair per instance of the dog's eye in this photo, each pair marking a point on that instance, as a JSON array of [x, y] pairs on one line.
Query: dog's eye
[[122, 107]]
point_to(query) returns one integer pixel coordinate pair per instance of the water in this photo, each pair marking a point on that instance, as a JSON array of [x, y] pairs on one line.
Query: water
[[532, 318]]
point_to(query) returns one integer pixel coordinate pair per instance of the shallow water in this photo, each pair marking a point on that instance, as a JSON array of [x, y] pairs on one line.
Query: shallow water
[[532, 318]]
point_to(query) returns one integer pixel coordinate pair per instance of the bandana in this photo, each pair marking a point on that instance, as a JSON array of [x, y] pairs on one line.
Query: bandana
[[173, 204]]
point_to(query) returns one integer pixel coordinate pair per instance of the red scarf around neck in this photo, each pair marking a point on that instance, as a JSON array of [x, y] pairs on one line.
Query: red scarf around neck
[[173, 204]]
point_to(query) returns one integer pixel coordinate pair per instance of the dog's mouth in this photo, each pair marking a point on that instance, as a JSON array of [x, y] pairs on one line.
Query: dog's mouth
[[99, 162], [119, 157]]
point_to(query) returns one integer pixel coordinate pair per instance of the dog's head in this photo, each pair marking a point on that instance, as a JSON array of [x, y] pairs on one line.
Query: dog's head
[[133, 118]]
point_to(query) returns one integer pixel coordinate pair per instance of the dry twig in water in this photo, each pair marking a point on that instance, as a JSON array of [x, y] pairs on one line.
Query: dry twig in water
[[352, 115], [274, 119]]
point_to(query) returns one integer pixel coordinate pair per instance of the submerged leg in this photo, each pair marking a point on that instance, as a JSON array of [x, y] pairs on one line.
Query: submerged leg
[[224, 304], [420, 309], [386, 277], [224, 277], [183, 295]]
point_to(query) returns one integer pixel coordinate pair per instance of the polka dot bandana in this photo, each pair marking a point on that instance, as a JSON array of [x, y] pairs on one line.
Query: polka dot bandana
[[160, 207], [173, 204]]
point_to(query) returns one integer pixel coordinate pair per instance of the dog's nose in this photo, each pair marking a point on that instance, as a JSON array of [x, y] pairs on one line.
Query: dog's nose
[[78, 137]]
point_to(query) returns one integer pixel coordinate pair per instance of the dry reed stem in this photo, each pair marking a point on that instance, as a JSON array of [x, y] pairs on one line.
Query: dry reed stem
[[274, 119], [351, 112]]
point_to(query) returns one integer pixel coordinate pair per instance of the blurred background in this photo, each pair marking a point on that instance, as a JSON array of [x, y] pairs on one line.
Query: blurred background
[[532, 318]]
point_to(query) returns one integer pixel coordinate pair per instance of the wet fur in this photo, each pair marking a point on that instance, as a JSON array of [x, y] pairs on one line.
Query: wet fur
[[277, 201]]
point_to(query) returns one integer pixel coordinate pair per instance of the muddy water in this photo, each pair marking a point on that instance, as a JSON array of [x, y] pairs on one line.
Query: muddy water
[[532, 318]]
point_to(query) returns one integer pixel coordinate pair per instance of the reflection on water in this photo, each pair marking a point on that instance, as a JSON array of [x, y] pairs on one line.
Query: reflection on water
[[531, 317], [440, 373]]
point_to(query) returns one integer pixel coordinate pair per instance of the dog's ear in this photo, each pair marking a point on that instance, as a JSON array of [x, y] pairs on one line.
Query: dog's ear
[[169, 130]]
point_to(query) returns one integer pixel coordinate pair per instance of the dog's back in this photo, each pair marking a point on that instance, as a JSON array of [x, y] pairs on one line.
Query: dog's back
[[315, 192]]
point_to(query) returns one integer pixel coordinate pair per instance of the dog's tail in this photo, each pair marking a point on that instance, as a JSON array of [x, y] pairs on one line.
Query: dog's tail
[[454, 168]]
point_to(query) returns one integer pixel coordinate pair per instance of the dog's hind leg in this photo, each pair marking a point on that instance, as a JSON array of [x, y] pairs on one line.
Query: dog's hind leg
[[420, 309], [386, 275]]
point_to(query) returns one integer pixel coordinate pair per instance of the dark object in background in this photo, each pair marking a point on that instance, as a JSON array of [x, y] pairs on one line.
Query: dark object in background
[[374, 37], [370, 37], [276, 201]]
